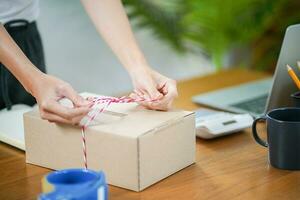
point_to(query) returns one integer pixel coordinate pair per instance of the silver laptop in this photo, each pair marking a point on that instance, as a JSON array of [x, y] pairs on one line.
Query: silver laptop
[[258, 97]]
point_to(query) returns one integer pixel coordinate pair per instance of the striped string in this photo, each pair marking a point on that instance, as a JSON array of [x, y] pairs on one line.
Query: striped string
[[84, 147], [105, 102]]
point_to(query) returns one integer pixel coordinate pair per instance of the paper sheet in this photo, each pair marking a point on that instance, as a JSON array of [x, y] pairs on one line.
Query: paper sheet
[[11, 125]]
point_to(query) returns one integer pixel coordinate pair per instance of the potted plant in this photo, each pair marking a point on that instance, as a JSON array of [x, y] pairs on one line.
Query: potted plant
[[230, 32]]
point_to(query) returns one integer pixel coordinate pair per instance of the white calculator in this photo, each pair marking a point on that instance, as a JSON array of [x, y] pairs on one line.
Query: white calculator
[[211, 123]]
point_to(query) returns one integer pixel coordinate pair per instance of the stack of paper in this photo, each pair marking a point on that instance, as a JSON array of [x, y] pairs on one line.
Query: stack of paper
[[11, 128]]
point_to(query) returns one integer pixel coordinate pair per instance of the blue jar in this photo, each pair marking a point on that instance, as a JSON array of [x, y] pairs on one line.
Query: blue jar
[[75, 184]]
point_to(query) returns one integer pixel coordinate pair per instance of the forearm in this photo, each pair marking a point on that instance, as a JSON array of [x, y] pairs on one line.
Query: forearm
[[16, 62], [112, 23]]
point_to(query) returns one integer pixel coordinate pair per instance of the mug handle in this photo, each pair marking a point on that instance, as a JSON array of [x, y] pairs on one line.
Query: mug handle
[[254, 132]]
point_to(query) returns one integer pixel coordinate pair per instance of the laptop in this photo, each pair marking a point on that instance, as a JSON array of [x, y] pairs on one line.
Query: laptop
[[258, 97]]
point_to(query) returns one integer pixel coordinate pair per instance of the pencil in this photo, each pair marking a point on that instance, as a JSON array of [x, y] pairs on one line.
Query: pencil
[[293, 76]]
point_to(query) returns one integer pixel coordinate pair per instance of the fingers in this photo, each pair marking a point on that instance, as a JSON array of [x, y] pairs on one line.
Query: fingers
[[65, 112], [167, 91], [171, 90], [149, 93], [137, 96], [57, 119], [137, 93], [55, 112], [48, 95], [170, 93], [152, 93], [71, 94], [162, 105], [54, 118]]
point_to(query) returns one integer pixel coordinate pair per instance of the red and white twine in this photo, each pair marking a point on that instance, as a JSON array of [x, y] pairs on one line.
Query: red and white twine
[[105, 101]]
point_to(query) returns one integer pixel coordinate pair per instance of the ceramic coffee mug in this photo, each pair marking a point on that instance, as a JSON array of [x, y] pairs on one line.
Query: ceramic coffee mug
[[296, 99], [283, 137]]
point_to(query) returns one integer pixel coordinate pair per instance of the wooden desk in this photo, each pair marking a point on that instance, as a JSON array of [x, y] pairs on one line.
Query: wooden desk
[[232, 167]]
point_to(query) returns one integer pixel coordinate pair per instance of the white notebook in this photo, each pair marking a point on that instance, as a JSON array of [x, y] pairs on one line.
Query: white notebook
[[11, 125]]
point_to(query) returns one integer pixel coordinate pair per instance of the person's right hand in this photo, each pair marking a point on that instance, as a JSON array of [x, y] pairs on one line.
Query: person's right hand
[[49, 91]]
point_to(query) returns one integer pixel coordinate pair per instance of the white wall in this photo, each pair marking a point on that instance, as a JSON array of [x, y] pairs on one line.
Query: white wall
[[76, 53]]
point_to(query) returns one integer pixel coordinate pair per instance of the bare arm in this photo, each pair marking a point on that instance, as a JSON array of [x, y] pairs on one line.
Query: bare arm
[[112, 23], [14, 59], [46, 89]]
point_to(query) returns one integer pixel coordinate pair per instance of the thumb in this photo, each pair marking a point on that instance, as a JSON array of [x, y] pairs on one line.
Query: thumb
[[77, 100]]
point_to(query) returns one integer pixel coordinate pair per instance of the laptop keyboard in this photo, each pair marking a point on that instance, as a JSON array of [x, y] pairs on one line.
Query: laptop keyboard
[[256, 105]]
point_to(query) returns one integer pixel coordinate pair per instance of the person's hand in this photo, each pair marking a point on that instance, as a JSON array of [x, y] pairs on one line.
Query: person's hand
[[151, 85], [49, 91]]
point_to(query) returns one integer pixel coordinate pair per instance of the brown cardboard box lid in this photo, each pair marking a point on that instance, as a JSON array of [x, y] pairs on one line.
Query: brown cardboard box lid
[[132, 120]]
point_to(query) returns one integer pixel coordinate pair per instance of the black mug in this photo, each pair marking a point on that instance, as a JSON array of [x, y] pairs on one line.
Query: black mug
[[296, 98], [283, 137]]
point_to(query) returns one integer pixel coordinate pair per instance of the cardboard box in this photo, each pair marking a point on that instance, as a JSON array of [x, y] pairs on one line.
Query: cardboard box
[[135, 147]]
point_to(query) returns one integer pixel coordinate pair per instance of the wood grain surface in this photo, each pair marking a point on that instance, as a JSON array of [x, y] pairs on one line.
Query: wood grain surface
[[231, 167]]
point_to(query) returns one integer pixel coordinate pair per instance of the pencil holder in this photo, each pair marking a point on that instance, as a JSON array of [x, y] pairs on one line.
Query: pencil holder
[[75, 184], [296, 99]]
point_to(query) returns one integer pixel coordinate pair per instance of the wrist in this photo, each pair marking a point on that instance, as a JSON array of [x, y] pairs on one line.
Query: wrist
[[135, 63], [34, 79], [139, 71]]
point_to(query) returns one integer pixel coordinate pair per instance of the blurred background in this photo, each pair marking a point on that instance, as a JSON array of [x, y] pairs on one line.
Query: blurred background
[[180, 38]]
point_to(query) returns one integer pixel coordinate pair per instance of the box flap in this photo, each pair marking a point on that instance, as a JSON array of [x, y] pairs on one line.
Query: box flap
[[132, 120]]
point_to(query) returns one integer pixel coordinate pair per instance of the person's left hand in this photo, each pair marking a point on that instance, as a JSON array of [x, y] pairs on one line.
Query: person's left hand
[[151, 85]]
